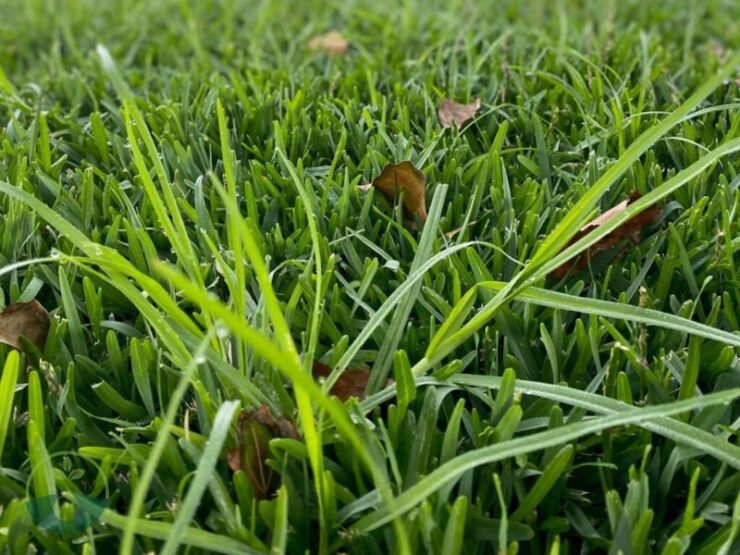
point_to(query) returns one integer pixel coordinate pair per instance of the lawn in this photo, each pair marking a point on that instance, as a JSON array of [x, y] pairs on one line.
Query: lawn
[[264, 336]]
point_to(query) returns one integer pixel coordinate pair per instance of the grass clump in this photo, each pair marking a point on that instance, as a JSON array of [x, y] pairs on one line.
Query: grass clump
[[180, 187]]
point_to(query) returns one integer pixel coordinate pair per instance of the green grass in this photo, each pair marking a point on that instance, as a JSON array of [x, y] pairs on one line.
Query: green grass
[[178, 187]]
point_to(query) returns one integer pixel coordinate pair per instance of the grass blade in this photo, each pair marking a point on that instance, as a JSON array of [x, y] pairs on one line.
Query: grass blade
[[7, 393], [384, 358], [571, 223], [147, 474], [453, 469], [208, 460], [608, 309], [554, 470], [674, 430]]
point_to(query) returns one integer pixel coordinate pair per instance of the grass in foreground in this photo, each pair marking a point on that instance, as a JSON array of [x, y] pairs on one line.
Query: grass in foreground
[[184, 201]]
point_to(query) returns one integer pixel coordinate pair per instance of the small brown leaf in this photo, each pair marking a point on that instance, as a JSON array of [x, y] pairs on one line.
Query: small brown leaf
[[450, 112], [29, 320], [255, 430], [351, 383], [404, 177], [332, 43], [629, 230]]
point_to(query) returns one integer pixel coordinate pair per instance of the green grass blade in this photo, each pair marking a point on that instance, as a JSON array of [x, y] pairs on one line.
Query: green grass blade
[[608, 309], [42, 473], [36, 403], [453, 469], [7, 394], [675, 430], [552, 473], [280, 527], [571, 223], [192, 537], [77, 334], [576, 216], [147, 474], [209, 458], [649, 199], [453, 541], [384, 358]]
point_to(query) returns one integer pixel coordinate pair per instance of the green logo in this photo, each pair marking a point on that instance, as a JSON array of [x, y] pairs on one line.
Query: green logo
[[57, 515]]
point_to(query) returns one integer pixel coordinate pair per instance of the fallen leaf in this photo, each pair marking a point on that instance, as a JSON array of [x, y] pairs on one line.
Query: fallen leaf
[[332, 43], [404, 177], [630, 230], [255, 430], [351, 383], [29, 320], [450, 112]]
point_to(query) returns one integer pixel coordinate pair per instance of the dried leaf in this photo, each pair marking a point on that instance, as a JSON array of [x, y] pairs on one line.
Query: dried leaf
[[332, 43], [255, 430], [404, 177], [351, 383], [29, 320], [629, 230], [450, 112]]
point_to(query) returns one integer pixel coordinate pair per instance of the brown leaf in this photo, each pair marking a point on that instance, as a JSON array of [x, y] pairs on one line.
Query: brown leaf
[[629, 230], [332, 43], [255, 430], [450, 112], [404, 177], [29, 320], [351, 383]]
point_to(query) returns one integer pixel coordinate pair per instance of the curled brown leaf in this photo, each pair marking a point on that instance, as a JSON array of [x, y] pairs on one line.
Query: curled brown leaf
[[630, 230], [404, 178], [351, 382], [29, 320], [256, 428], [451, 113], [332, 43]]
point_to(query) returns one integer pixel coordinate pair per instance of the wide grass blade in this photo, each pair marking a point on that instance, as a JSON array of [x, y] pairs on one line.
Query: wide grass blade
[[644, 202], [394, 333], [571, 223], [672, 429], [286, 366], [160, 443], [675, 430], [609, 309], [42, 472], [7, 394], [191, 537], [575, 217], [209, 458], [280, 527], [453, 469]]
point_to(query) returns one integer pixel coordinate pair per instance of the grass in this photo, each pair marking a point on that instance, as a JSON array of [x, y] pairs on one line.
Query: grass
[[178, 187]]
